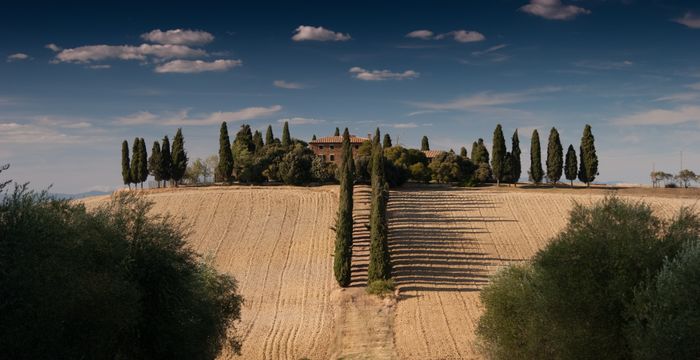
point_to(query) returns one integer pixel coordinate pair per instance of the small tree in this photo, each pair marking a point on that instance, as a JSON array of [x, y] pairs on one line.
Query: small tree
[[498, 154], [588, 167], [343, 228], [536, 172], [555, 157], [685, 177], [387, 141], [516, 167], [126, 166], [286, 138], [165, 161], [269, 137], [225, 167], [571, 165], [136, 162], [424, 144]]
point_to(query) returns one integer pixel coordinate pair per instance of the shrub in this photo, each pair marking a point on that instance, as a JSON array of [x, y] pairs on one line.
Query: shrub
[[381, 287], [295, 166]]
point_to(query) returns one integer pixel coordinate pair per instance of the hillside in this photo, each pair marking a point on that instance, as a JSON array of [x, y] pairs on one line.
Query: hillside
[[445, 242]]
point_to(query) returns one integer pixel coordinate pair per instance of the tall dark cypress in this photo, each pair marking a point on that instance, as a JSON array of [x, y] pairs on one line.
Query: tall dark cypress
[[136, 162], [463, 152], [343, 228], [165, 161], [337, 132], [286, 138], [258, 141], [555, 157], [588, 166], [536, 172], [126, 165], [225, 168], [571, 167], [154, 162], [475, 153], [269, 137], [244, 138], [379, 267], [386, 143], [424, 144], [179, 162], [143, 163], [498, 154], [516, 165]]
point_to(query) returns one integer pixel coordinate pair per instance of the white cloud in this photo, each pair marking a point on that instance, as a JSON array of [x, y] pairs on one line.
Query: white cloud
[[695, 86], [680, 97], [287, 85], [53, 121], [53, 47], [312, 33], [17, 57], [404, 125], [14, 133], [489, 50], [463, 36], [553, 10], [420, 34], [196, 66], [486, 100], [680, 115], [690, 20], [379, 75], [604, 64], [89, 53], [178, 37], [182, 118], [100, 66], [301, 121]]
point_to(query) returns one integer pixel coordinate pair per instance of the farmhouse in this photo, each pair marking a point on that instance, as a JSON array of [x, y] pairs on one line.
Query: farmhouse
[[329, 148]]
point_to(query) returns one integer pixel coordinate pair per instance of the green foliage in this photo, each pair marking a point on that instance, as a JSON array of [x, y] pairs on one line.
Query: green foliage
[[224, 170], [555, 157], [126, 166], [475, 153], [424, 144], [482, 174], [536, 172], [322, 171], [420, 172], [516, 165], [381, 287], [243, 140], [572, 302], [198, 171], [337, 132], [269, 137], [295, 166], [498, 154], [571, 167], [344, 222], [4, 167], [398, 162], [154, 162], [258, 141], [386, 143], [165, 159], [135, 161], [109, 284], [448, 167], [463, 152], [379, 267], [363, 162], [588, 166], [286, 138], [508, 160], [179, 163], [685, 177]]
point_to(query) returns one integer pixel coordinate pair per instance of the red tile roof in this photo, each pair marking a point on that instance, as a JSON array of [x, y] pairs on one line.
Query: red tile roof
[[338, 140], [432, 153]]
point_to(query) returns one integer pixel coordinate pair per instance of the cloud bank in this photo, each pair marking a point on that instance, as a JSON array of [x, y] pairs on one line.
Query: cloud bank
[[178, 37], [312, 33]]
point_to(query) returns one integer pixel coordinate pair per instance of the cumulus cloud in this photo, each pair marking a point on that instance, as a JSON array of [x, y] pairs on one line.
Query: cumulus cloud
[[53, 47], [196, 66], [463, 36], [90, 53], [690, 20], [420, 34], [379, 75], [183, 118], [17, 57], [312, 33], [301, 121], [485, 100], [553, 10], [178, 37], [680, 115], [287, 85]]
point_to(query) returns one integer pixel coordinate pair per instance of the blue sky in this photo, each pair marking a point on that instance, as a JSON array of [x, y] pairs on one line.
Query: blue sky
[[75, 80]]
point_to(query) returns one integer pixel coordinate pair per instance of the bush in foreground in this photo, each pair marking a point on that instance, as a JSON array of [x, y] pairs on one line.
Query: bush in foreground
[[110, 284], [573, 301]]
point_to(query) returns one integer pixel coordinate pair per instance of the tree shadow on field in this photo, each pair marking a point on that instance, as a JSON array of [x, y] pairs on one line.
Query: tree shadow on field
[[432, 241]]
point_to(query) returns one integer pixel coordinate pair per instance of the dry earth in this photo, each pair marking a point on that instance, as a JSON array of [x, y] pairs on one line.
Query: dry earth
[[445, 243]]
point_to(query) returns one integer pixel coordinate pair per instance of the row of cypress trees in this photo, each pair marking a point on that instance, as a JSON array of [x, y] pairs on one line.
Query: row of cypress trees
[[165, 163], [506, 166], [379, 268]]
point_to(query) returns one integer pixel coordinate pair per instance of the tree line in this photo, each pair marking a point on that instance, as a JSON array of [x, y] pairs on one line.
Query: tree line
[[684, 177], [166, 164]]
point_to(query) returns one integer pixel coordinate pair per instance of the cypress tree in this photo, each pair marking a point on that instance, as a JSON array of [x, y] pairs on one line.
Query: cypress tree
[[475, 153], [286, 138], [126, 166], [143, 163], [343, 228], [244, 138], [536, 172], [179, 162], [269, 138], [387, 141], [588, 166], [571, 166], [516, 167], [136, 162], [225, 168], [154, 162], [379, 263], [165, 161], [337, 132], [555, 157], [313, 137], [483, 152], [508, 168], [257, 141], [424, 144], [463, 152], [498, 154]]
